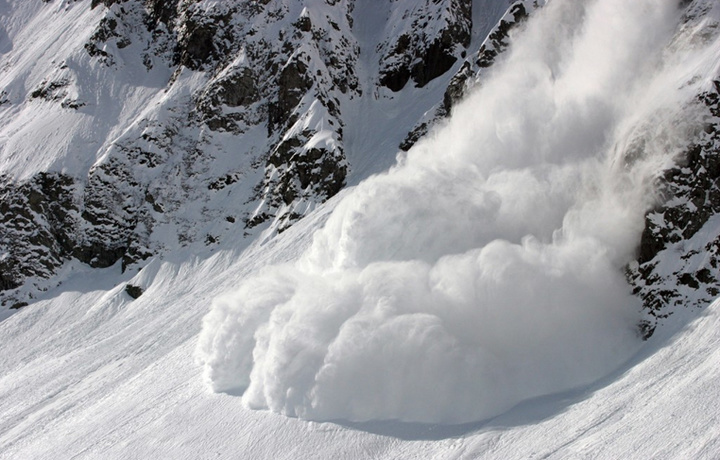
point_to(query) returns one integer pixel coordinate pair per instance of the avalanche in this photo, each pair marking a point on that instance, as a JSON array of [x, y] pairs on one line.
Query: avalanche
[[485, 268]]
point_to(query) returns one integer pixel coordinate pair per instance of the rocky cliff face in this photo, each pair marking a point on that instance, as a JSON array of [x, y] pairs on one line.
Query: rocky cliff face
[[679, 252], [244, 121], [678, 258], [473, 68], [424, 51]]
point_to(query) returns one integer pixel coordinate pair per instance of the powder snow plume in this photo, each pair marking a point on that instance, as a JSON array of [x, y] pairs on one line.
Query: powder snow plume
[[486, 267]]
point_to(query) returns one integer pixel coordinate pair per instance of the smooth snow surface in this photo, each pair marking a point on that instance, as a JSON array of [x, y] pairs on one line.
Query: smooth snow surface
[[486, 267]]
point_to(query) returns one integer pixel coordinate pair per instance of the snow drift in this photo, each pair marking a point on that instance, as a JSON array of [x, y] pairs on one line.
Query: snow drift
[[486, 267]]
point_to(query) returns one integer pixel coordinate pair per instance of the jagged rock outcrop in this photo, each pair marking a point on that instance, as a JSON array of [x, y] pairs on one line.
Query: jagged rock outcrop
[[37, 219], [248, 129], [498, 41], [52, 218], [679, 254], [423, 53], [473, 67], [256, 79]]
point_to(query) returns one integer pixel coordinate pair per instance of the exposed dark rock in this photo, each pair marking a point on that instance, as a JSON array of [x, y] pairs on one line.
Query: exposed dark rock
[[691, 192], [438, 58], [133, 291], [413, 136], [467, 76], [705, 276], [50, 90], [239, 89], [107, 3], [304, 24], [646, 329], [395, 78], [223, 182], [297, 172], [37, 223], [107, 30], [257, 219], [293, 83], [18, 305], [72, 104], [235, 91], [196, 46], [314, 167], [421, 57], [94, 51], [499, 39], [105, 208], [50, 219], [137, 251], [457, 87], [688, 280], [161, 12], [203, 37]]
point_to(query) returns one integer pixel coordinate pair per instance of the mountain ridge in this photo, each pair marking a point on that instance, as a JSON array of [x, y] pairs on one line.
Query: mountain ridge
[[288, 117]]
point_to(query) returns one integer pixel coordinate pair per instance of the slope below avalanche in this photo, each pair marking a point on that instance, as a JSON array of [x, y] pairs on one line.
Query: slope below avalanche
[[93, 373]]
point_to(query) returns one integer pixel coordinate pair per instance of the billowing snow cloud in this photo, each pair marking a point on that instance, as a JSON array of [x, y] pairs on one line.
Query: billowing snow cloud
[[487, 266]]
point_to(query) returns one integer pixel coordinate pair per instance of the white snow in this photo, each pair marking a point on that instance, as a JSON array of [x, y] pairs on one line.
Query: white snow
[[72, 140], [486, 267], [91, 373], [477, 281]]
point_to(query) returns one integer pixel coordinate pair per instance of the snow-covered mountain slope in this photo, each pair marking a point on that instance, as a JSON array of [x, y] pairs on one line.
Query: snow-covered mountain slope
[[486, 267], [90, 372], [474, 301], [166, 124]]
